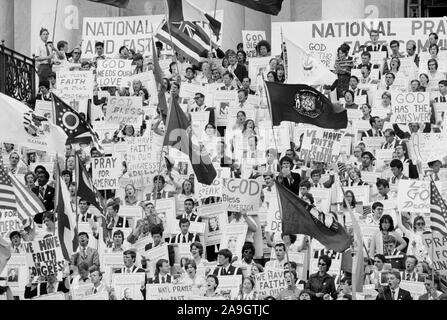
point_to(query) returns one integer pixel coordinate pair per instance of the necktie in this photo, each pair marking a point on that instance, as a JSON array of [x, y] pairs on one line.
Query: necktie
[[184, 239], [41, 191], [83, 218], [407, 277], [436, 177], [269, 188], [388, 87], [83, 253], [224, 272], [50, 288], [376, 47], [392, 294], [128, 270], [442, 99], [95, 291], [163, 280], [17, 250], [48, 53]]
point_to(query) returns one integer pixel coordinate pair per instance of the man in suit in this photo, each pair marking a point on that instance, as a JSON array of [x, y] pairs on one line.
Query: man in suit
[[396, 168], [375, 45], [414, 128], [442, 91], [162, 273], [84, 213], [353, 85], [189, 213], [315, 176], [411, 51], [85, 253], [227, 80], [280, 261], [45, 192], [376, 128], [246, 85], [430, 286], [184, 236], [289, 179], [224, 257], [410, 274], [392, 291], [129, 257], [390, 139], [366, 61], [50, 286], [157, 237], [235, 68], [435, 166]]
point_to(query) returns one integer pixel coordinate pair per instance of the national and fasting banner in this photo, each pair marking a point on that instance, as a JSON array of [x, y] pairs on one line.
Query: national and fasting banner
[[322, 38]]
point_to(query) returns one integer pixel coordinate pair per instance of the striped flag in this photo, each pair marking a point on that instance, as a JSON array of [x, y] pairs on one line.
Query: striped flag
[[5, 253], [7, 196], [28, 204], [66, 220], [438, 210]]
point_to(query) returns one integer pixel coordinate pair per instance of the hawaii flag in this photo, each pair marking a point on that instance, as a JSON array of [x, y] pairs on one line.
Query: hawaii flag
[[19, 125], [304, 68]]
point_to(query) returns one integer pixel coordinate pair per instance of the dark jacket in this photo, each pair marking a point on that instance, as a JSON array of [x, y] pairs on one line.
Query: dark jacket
[[48, 197], [31, 292], [324, 284], [385, 294], [295, 185], [232, 270]]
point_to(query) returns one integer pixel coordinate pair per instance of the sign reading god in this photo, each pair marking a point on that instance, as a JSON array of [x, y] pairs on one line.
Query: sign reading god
[[410, 107]]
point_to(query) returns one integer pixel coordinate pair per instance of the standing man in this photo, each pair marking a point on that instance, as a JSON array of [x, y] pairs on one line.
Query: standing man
[[85, 253], [224, 257], [44, 55]]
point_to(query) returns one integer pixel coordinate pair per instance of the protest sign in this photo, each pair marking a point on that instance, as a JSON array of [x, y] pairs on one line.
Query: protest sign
[[274, 222], [194, 227], [143, 159], [437, 249], [44, 257], [9, 221], [421, 147], [51, 296], [113, 72], [322, 38], [44, 109], [155, 254], [415, 288], [16, 272], [147, 79], [413, 196], [408, 107], [383, 159], [257, 69], [229, 286], [127, 110], [223, 100], [321, 145], [75, 85], [168, 291], [134, 32], [270, 282], [361, 193], [98, 296], [111, 262], [127, 285], [241, 194], [189, 90], [166, 212], [81, 291], [105, 131], [373, 143], [198, 122], [250, 39], [106, 172], [233, 238], [204, 191], [322, 198], [215, 218]]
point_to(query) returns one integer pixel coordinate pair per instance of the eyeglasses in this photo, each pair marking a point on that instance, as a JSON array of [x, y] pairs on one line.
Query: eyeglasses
[[420, 224], [321, 263]]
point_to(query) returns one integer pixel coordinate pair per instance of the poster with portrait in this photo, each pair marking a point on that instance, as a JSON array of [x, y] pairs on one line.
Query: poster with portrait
[[16, 273], [166, 211], [155, 254], [223, 100], [110, 263], [128, 285], [215, 219], [257, 69], [229, 286], [233, 238]]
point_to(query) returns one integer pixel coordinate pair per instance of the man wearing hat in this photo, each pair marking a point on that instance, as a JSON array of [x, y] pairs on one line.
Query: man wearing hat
[[367, 161], [289, 179], [435, 166]]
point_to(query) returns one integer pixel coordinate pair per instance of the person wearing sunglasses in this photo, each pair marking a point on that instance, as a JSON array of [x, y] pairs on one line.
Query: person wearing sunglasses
[[416, 246], [322, 283]]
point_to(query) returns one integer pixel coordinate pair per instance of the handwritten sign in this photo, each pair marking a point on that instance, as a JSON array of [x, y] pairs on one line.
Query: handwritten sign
[[250, 40], [128, 110], [413, 196], [410, 107], [44, 257], [321, 145], [215, 219], [204, 191], [105, 172], [241, 194], [74, 85], [168, 291], [9, 221], [421, 146], [113, 72], [274, 223], [437, 249], [270, 282]]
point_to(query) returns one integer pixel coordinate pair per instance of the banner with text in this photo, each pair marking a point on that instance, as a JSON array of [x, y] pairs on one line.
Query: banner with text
[[250, 39], [114, 72], [410, 107], [321, 145], [106, 172]]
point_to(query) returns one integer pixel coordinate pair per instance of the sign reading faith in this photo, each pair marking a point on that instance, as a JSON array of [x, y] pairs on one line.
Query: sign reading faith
[[270, 282], [321, 145], [106, 172], [410, 107], [44, 257], [74, 85]]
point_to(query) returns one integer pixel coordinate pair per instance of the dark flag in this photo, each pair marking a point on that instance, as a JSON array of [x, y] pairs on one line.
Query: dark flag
[[266, 6], [179, 135], [301, 103], [158, 75], [297, 219], [74, 125], [115, 3], [85, 187], [66, 219]]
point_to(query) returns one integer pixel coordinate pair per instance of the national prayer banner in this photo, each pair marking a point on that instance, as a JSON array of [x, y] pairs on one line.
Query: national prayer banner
[[322, 38]]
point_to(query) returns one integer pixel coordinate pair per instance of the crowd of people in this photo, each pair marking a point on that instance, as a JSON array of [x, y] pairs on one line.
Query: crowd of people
[[393, 253]]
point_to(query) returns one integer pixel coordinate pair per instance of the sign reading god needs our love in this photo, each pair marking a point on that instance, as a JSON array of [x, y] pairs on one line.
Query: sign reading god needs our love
[[133, 32], [241, 194], [321, 145], [322, 38], [128, 110], [44, 257], [250, 40], [410, 107], [113, 72], [106, 172], [413, 196]]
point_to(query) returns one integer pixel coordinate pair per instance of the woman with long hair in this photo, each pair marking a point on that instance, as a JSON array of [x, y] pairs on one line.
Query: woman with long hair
[[386, 227]]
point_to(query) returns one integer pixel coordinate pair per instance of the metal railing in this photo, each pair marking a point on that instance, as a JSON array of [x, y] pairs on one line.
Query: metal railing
[[17, 74]]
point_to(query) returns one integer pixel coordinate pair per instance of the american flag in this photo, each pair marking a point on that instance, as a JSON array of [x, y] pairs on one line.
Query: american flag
[[7, 196], [28, 204], [438, 210]]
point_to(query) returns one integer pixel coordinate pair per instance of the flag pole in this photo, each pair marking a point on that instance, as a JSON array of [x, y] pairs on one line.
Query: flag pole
[[432, 240], [283, 55], [211, 31], [54, 23]]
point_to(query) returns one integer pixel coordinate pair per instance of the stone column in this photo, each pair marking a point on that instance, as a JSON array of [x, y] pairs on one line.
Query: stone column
[[342, 9], [7, 22]]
